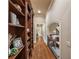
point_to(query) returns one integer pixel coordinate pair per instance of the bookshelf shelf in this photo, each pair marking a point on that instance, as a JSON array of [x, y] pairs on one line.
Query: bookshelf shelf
[[10, 24]]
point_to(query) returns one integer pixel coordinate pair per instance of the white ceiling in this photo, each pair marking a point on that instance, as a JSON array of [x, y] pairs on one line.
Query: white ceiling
[[41, 5]]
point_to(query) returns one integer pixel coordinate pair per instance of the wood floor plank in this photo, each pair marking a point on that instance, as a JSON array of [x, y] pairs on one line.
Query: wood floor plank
[[41, 51]]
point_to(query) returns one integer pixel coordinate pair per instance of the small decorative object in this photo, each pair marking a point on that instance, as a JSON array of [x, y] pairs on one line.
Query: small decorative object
[[9, 36], [13, 18], [13, 51], [54, 37], [18, 7], [9, 52], [54, 31], [17, 21], [17, 43]]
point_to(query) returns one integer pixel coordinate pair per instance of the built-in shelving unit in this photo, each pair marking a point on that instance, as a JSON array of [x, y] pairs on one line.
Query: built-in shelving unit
[[20, 25], [54, 42]]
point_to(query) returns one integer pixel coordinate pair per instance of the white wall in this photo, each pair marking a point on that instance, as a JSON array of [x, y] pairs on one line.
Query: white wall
[[66, 35], [60, 11], [39, 20]]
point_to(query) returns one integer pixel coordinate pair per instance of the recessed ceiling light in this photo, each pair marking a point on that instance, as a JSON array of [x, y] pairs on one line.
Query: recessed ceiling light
[[39, 11]]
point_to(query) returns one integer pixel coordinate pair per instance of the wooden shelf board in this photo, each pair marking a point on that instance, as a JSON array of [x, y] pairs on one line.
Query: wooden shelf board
[[13, 57], [16, 25], [13, 9]]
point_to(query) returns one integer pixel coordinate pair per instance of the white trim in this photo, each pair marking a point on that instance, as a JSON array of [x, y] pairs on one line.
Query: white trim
[[60, 37], [50, 4]]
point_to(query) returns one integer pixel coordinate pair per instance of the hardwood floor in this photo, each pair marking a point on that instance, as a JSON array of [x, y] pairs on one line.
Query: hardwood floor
[[41, 51]]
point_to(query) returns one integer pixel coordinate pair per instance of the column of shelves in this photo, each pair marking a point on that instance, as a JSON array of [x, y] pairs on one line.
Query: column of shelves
[[21, 25], [17, 30], [29, 30]]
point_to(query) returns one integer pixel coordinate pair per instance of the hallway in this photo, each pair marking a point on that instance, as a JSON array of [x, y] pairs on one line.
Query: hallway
[[41, 51], [39, 29]]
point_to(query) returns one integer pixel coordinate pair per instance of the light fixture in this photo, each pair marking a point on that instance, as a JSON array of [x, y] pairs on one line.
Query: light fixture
[[39, 11]]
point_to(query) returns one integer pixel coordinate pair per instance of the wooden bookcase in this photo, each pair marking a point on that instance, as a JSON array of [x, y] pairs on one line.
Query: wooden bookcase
[[23, 29]]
